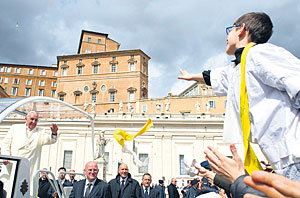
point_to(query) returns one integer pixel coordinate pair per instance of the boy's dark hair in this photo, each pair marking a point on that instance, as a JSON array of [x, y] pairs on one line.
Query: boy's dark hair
[[62, 168], [258, 24]]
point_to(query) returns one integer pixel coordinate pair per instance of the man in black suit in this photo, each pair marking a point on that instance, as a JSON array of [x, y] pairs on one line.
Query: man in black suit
[[123, 186], [146, 190], [72, 177], [64, 181], [91, 187], [44, 185], [172, 190]]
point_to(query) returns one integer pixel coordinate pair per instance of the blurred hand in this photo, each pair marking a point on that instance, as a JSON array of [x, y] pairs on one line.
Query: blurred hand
[[272, 185], [229, 169], [54, 129], [204, 172], [5, 162]]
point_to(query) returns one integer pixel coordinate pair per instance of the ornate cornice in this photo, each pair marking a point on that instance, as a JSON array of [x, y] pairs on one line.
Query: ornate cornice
[[64, 66], [95, 63], [131, 89], [77, 92], [132, 60], [80, 64], [94, 91], [61, 93], [113, 62], [111, 90]]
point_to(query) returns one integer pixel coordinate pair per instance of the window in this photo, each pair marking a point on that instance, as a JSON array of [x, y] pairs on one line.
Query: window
[[53, 93], [61, 97], [5, 80], [143, 84], [16, 81], [28, 82], [131, 95], [17, 70], [54, 84], [132, 56], [1, 69], [99, 41], [79, 70], [142, 158], [106, 157], [27, 91], [14, 91], [1, 79], [95, 69], [96, 59], [30, 71], [144, 68], [67, 162], [8, 70], [93, 97], [113, 58], [181, 163], [80, 60], [212, 104], [89, 39], [41, 83], [55, 73], [43, 72], [41, 92], [65, 62], [113, 68], [132, 67], [112, 97], [144, 107], [64, 71], [88, 51]]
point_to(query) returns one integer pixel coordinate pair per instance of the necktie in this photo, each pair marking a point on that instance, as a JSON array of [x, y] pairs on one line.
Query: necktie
[[88, 190], [122, 187], [146, 193]]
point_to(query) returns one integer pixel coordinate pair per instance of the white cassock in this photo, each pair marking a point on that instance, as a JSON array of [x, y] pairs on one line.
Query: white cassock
[[22, 142], [273, 87]]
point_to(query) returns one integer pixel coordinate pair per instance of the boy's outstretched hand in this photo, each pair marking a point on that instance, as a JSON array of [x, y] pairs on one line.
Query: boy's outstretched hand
[[188, 76]]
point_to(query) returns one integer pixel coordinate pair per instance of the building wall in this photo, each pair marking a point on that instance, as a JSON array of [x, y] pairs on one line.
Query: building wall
[[17, 75], [164, 143]]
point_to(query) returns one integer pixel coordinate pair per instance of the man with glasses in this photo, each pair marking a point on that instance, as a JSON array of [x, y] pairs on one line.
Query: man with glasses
[[172, 189]]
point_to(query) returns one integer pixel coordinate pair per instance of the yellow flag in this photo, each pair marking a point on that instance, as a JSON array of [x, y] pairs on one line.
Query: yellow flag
[[251, 162], [122, 136]]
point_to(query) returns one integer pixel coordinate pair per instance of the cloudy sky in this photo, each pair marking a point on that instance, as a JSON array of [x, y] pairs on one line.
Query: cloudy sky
[[189, 33]]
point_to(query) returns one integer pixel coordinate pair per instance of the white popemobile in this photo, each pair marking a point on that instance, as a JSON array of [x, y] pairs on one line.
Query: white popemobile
[[19, 174]]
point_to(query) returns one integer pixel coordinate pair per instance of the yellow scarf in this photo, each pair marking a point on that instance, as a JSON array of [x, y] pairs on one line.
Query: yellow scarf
[[251, 162], [122, 136]]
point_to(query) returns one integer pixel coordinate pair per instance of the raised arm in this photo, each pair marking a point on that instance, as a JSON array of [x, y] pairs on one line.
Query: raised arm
[[188, 76]]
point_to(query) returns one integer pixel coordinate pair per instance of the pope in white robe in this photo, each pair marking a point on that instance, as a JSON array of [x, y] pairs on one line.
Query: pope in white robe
[[26, 140]]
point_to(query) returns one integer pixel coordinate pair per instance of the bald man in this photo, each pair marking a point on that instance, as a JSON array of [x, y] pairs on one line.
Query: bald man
[[123, 186], [91, 187]]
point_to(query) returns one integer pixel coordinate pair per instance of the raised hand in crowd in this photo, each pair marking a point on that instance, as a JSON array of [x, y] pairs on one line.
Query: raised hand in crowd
[[273, 185], [203, 172], [229, 169]]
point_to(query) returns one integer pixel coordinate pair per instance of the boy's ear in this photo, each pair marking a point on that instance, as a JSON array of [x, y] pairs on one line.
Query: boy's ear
[[242, 30]]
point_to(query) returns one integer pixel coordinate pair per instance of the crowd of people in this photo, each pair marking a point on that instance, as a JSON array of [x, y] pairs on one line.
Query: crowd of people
[[263, 101]]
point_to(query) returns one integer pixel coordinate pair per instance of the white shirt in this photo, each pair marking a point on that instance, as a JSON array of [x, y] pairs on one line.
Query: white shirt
[[86, 185], [273, 85]]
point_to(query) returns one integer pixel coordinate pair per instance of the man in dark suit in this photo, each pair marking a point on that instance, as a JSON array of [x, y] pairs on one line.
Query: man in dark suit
[[64, 181], [44, 185], [91, 187], [72, 177], [146, 190], [172, 190], [123, 186], [161, 188]]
